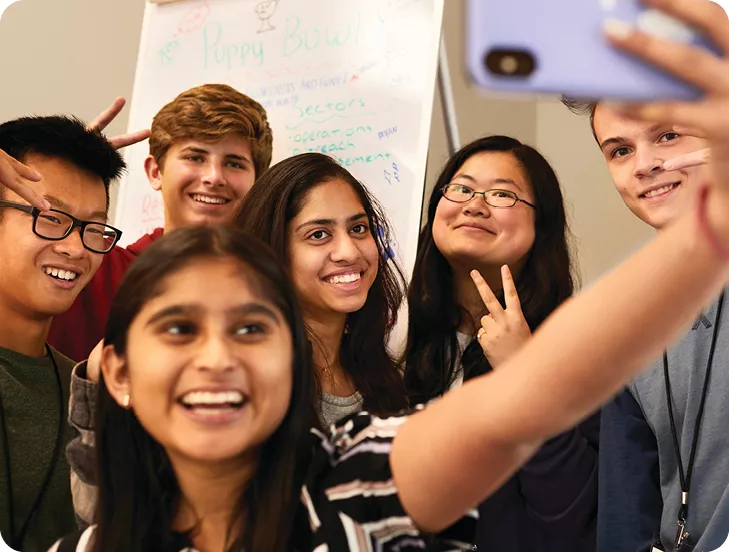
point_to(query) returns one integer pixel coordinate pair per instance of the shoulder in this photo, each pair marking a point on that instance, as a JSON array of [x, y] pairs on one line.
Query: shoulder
[[75, 542]]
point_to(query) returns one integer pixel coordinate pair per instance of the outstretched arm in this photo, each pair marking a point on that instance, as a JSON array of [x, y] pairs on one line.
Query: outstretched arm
[[451, 456]]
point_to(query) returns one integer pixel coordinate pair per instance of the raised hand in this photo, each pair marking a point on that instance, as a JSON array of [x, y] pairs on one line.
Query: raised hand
[[20, 178], [503, 331], [103, 119]]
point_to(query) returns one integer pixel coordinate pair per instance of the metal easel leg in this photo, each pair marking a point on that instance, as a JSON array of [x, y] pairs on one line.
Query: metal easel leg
[[447, 102]]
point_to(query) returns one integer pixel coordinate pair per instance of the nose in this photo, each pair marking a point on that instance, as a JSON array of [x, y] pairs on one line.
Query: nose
[[345, 249], [215, 354], [71, 246], [477, 206], [647, 162], [214, 174]]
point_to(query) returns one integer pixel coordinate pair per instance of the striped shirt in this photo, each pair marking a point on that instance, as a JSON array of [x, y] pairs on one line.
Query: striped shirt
[[350, 498]]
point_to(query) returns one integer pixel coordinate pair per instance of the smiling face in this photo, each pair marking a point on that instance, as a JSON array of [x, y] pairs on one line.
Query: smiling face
[[202, 183], [333, 254], [474, 234], [28, 262], [208, 364], [635, 152]]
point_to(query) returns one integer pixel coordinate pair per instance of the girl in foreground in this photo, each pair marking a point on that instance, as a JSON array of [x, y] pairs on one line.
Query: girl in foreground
[[185, 360]]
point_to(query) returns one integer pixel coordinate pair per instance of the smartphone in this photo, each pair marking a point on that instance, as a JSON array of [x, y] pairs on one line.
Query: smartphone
[[558, 47]]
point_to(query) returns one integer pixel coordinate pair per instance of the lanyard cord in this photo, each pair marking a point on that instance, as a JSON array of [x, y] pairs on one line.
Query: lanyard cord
[[685, 478], [16, 541]]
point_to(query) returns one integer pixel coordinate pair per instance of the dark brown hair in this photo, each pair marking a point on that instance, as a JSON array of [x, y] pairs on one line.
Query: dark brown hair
[[276, 198]]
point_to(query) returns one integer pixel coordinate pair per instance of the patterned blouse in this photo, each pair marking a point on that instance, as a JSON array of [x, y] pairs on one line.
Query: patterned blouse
[[350, 499]]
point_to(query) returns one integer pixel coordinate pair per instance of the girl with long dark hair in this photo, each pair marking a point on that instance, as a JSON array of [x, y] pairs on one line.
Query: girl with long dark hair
[[333, 237], [497, 203]]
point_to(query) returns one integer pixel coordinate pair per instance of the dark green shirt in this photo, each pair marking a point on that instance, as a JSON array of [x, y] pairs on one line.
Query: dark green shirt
[[29, 392]]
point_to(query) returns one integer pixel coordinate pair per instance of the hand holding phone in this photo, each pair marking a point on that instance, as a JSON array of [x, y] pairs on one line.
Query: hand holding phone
[[558, 47]]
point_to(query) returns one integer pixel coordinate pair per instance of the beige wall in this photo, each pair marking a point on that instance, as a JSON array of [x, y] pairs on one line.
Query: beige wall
[[68, 56], [76, 56]]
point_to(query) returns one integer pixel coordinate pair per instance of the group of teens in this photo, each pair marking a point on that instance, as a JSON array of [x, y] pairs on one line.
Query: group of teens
[[229, 382]]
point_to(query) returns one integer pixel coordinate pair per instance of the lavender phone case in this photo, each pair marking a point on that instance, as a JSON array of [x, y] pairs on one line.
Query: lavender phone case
[[571, 56]]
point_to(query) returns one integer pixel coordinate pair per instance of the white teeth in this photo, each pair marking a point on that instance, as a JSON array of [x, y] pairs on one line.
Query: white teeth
[[661, 190], [222, 398], [207, 199], [61, 274], [344, 278]]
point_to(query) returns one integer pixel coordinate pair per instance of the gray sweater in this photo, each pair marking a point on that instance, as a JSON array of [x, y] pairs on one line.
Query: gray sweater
[[640, 488]]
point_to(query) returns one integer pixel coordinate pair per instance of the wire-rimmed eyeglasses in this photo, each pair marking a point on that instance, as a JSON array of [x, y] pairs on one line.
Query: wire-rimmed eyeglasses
[[458, 193]]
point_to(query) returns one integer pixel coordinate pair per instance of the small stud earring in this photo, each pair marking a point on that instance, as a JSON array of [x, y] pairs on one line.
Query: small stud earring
[[125, 400]]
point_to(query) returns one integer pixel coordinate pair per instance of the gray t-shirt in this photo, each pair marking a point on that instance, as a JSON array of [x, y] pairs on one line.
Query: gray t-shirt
[[463, 342], [335, 408], [709, 505], [30, 398]]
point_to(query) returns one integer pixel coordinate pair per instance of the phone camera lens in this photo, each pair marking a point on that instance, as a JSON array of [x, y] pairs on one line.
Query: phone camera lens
[[510, 63]]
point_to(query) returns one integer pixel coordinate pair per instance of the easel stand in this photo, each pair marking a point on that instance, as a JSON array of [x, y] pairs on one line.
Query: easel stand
[[446, 99]]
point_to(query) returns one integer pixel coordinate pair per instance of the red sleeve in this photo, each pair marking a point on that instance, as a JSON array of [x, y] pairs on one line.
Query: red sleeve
[[78, 330]]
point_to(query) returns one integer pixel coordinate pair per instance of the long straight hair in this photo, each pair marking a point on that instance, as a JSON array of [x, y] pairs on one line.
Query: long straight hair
[[268, 208], [138, 491], [545, 281]]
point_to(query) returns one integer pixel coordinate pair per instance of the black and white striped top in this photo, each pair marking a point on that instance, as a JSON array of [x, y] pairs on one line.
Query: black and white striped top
[[350, 498]]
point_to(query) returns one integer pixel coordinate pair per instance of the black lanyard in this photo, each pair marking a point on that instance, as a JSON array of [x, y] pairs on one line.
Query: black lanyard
[[685, 477], [16, 540]]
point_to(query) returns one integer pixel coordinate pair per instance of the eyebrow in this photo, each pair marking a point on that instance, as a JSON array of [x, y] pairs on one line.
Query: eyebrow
[[329, 222], [237, 157], [615, 140], [192, 309], [63, 206], [494, 181]]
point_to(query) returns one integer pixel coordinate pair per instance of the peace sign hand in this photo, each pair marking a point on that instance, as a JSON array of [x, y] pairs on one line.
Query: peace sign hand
[[104, 118], [503, 331]]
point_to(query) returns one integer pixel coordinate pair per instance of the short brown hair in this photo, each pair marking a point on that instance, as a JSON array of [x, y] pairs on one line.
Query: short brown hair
[[209, 113], [581, 107]]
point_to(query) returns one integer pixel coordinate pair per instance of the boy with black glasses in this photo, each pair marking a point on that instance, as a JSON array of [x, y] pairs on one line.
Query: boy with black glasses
[[48, 253]]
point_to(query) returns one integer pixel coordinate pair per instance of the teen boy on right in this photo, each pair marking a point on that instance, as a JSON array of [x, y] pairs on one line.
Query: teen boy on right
[[663, 440]]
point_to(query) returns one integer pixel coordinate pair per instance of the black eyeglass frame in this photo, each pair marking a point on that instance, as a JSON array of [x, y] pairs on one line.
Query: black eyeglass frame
[[75, 223], [474, 193]]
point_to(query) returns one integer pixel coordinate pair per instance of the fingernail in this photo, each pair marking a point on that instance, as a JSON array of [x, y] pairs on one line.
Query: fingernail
[[46, 205], [668, 166], [617, 28]]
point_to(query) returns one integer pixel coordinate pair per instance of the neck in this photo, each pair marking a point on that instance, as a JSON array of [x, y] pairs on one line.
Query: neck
[[328, 332], [23, 334], [467, 297], [210, 495]]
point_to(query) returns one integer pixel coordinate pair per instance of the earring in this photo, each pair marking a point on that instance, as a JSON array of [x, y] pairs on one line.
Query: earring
[[126, 400]]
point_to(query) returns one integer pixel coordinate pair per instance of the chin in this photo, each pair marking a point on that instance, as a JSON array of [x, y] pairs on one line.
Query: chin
[[347, 306], [212, 451]]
